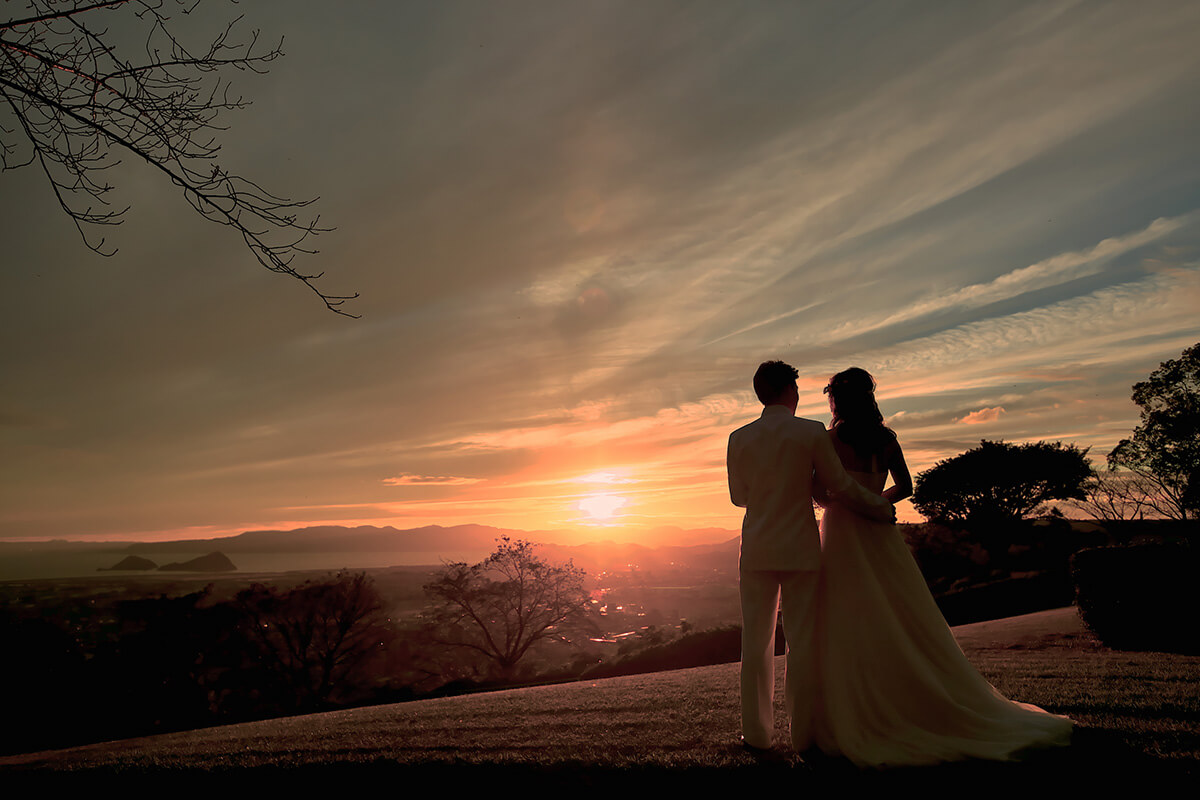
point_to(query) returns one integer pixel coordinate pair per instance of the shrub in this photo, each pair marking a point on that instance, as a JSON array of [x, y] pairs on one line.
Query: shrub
[[1140, 597]]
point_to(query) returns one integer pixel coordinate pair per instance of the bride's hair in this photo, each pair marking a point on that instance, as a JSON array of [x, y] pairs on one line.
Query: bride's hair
[[856, 415]]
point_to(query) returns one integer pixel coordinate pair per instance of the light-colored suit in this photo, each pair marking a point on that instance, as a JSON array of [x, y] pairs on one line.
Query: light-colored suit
[[772, 463]]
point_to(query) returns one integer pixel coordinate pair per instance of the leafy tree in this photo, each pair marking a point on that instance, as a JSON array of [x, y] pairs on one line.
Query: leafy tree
[[1164, 451], [314, 637], [77, 92], [504, 605], [999, 482]]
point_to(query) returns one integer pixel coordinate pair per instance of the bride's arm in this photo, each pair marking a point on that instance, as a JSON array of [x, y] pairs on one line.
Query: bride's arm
[[901, 479]]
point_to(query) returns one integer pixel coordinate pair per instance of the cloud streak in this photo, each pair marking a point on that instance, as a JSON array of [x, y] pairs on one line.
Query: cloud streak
[[1053, 271], [429, 480]]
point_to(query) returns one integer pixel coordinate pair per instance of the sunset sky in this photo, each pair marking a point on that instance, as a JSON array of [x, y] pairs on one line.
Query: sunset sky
[[577, 228]]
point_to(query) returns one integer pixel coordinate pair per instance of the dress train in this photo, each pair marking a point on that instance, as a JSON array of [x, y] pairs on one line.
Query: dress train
[[896, 688]]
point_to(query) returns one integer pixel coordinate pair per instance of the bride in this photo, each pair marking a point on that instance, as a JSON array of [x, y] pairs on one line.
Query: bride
[[896, 688]]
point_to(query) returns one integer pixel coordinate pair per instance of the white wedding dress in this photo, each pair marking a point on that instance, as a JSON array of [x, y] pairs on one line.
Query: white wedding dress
[[895, 687]]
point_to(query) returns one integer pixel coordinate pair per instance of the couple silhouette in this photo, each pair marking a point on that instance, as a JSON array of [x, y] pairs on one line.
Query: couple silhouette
[[873, 672]]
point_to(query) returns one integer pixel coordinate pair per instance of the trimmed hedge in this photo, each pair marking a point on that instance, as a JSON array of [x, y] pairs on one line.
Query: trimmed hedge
[[1140, 597]]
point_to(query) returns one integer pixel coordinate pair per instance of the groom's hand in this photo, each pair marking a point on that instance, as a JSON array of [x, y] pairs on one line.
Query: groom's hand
[[880, 510], [885, 514]]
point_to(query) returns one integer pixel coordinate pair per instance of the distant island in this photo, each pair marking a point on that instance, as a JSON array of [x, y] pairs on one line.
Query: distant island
[[130, 564], [213, 562]]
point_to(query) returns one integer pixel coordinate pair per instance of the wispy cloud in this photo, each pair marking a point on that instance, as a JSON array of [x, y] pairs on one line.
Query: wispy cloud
[[1048, 272], [1061, 333], [429, 480], [981, 416]]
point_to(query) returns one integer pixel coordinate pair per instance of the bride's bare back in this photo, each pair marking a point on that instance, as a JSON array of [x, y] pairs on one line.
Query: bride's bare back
[[881, 462]]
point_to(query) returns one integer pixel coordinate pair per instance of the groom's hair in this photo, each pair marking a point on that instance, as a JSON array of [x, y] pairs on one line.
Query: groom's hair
[[772, 379]]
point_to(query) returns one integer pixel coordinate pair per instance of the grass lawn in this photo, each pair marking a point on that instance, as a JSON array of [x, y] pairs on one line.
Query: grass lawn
[[1138, 717]]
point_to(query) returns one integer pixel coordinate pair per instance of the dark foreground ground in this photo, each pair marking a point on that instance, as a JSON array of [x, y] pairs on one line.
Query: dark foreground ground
[[1138, 718]]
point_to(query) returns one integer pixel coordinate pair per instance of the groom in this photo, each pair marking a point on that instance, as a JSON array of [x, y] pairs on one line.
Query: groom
[[772, 463]]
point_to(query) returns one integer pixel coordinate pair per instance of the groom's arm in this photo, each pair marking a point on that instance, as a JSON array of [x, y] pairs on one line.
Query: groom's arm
[[843, 489], [737, 489]]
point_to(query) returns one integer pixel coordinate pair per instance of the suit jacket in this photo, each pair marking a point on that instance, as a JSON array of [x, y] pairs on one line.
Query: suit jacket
[[771, 464]]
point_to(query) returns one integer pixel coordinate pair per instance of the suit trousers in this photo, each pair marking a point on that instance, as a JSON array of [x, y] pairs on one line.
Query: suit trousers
[[761, 591]]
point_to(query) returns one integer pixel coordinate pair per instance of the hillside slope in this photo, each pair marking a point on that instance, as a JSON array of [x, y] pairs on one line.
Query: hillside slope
[[635, 725]]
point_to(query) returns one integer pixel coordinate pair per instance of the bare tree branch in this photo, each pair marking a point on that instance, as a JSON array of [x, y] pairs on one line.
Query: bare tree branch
[[1164, 450], [78, 103]]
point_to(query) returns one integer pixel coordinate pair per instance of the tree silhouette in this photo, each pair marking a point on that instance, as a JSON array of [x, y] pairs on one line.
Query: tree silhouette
[[1114, 496], [75, 97], [163, 669], [1164, 451], [315, 636], [1001, 482], [990, 489], [502, 606]]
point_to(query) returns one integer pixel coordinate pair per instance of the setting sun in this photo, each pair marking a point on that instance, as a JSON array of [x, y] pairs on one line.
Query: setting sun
[[601, 507]]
